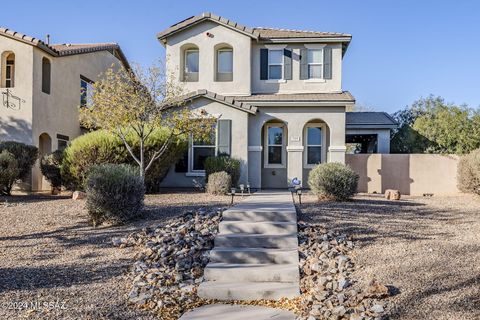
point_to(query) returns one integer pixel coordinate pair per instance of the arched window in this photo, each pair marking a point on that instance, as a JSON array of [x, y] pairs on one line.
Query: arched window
[[8, 70], [46, 75], [224, 63], [190, 63]]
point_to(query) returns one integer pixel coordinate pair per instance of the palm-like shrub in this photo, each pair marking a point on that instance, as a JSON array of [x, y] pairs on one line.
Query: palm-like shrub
[[219, 183], [469, 172], [8, 170], [50, 166], [334, 181], [223, 163], [25, 155], [115, 192]]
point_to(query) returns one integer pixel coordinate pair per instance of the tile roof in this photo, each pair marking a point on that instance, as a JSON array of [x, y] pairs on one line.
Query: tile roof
[[274, 33], [59, 50], [344, 96], [259, 33], [230, 101], [355, 119]]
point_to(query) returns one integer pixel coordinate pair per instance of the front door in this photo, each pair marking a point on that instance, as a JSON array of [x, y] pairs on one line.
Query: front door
[[274, 157]]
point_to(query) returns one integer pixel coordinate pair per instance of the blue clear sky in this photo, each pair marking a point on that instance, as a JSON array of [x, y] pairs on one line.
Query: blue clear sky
[[401, 50]]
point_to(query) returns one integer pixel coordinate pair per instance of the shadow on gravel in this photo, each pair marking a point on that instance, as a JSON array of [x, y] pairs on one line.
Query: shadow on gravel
[[30, 278], [360, 217]]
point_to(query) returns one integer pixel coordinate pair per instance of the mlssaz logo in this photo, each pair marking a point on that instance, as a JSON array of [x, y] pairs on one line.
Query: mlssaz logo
[[10, 101]]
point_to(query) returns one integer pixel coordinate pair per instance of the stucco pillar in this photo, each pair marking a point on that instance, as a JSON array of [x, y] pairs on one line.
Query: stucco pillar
[[337, 154], [255, 166], [295, 163]]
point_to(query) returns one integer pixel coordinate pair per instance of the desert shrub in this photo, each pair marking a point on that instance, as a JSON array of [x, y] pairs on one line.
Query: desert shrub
[[50, 167], [115, 192], [334, 181], [223, 163], [8, 170], [100, 147], [469, 172], [219, 183], [25, 155]]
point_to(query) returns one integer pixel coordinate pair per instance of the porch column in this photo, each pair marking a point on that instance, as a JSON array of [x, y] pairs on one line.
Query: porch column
[[255, 166], [295, 163], [337, 154]]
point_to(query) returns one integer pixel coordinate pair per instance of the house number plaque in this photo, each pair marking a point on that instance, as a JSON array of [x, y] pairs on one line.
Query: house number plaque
[[295, 138]]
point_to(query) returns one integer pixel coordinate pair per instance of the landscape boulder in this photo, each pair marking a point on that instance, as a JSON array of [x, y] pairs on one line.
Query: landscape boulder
[[391, 194], [79, 195]]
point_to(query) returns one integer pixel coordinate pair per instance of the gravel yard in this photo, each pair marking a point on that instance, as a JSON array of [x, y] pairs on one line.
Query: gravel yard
[[428, 249], [49, 253]]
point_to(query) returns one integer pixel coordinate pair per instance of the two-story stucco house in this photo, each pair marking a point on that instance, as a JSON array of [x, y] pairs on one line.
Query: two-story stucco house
[[41, 87], [277, 95]]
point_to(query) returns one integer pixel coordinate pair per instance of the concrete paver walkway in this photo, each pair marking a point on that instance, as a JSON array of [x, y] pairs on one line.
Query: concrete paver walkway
[[236, 312], [255, 257]]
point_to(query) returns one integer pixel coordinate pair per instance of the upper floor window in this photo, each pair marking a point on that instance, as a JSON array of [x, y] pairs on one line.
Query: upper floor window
[[224, 64], [315, 63], [46, 75], [86, 91], [275, 64], [191, 65], [8, 70]]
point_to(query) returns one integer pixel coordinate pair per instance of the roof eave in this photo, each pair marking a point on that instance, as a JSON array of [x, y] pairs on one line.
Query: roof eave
[[163, 35], [300, 103], [370, 126], [306, 40]]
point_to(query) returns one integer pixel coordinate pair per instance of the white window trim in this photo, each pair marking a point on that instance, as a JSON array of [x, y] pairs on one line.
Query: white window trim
[[306, 145], [276, 64], [198, 173], [265, 153], [322, 78]]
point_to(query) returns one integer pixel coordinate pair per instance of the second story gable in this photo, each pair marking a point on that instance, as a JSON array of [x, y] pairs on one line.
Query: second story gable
[[217, 54]]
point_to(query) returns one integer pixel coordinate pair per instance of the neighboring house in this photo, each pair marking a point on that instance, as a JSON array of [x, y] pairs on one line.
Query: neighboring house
[[43, 85], [277, 95]]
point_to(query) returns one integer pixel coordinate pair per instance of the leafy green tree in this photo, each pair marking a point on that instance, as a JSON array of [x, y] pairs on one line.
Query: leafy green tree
[[431, 125], [136, 103], [404, 138], [448, 128]]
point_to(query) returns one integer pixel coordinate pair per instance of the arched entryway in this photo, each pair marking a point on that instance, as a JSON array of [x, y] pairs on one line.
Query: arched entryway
[[316, 140], [274, 155], [44, 147]]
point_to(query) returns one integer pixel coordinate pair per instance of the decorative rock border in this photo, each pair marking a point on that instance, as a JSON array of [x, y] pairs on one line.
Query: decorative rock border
[[167, 271], [170, 267]]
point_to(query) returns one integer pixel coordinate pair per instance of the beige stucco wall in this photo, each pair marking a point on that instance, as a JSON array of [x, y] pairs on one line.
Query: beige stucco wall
[[296, 85], [413, 174], [197, 35], [57, 112], [54, 113], [295, 119], [17, 124], [239, 142]]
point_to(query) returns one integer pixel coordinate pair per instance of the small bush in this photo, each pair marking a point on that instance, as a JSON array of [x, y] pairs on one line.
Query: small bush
[[9, 170], [101, 147], [219, 183], [50, 167], [114, 193], [333, 181], [469, 172], [223, 163], [25, 155]]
